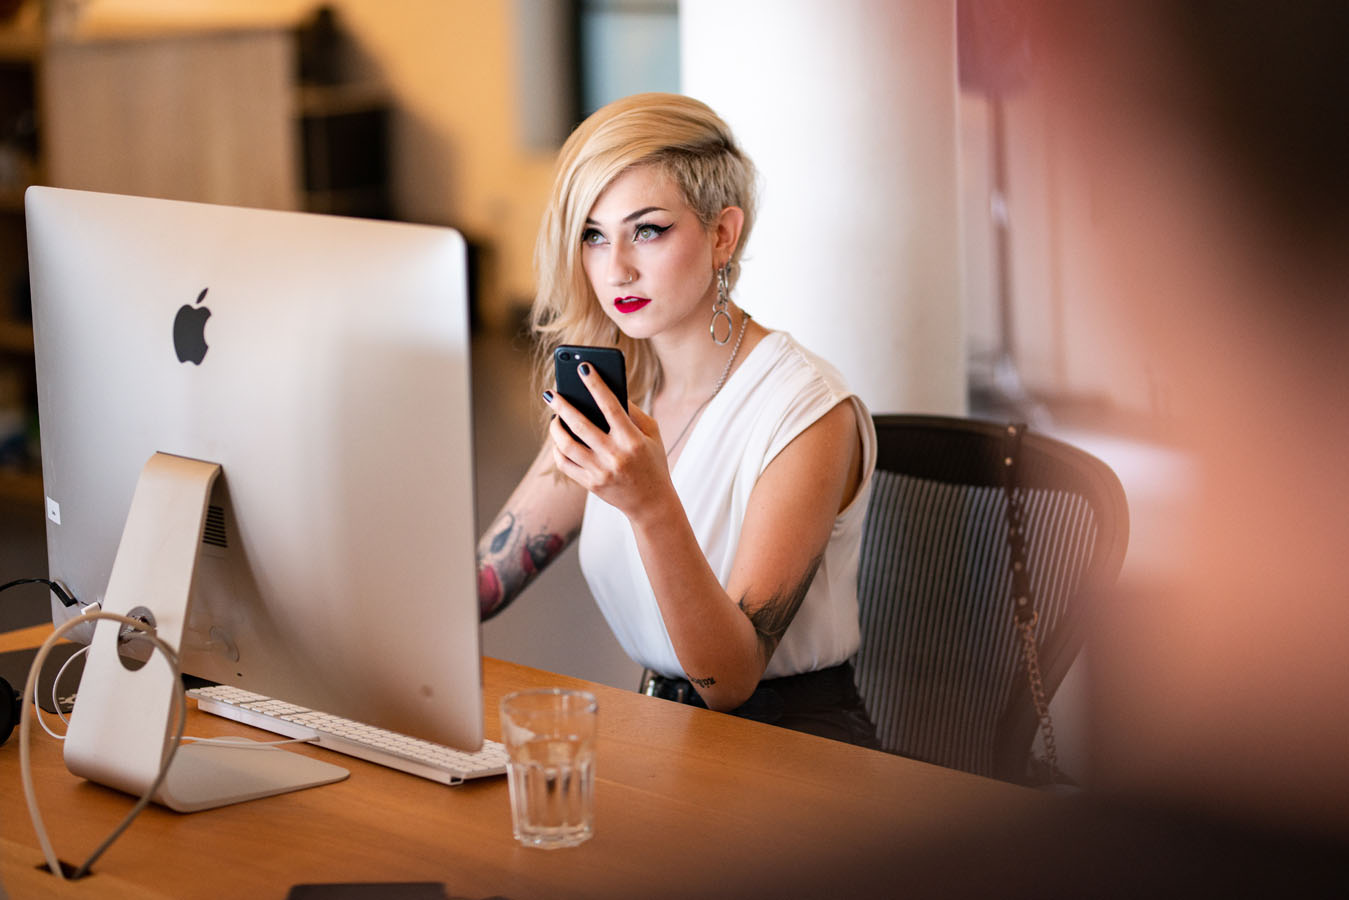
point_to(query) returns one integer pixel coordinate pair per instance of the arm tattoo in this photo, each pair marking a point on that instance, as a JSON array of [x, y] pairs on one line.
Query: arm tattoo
[[702, 682], [770, 620], [509, 559]]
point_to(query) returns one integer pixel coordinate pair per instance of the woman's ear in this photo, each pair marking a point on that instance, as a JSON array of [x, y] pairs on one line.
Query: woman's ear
[[726, 231]]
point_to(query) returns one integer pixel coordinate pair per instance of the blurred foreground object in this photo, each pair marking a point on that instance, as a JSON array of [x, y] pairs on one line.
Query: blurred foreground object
[[1212, 139]]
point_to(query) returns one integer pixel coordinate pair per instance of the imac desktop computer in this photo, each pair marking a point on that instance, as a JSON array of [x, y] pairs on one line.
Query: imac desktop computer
[[256, 436]]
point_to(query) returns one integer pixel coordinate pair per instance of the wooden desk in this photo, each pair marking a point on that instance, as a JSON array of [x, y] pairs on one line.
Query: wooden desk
[[689, 803]]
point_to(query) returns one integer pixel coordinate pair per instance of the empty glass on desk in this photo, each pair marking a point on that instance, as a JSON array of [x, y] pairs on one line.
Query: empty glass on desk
[[550, 736]]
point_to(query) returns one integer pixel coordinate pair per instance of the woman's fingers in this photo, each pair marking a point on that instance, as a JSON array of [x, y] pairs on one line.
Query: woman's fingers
[[645, 424], [579, 429], [623, 466]]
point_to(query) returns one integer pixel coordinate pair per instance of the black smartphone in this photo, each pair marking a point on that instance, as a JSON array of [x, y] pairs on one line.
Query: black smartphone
[[607, 361]]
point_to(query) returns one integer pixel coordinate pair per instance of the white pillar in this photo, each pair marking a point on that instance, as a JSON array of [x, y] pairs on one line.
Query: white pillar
[[848, 108]]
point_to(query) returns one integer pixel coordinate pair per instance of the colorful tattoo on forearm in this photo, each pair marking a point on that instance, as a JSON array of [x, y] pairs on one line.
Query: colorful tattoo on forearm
[[508, 560]]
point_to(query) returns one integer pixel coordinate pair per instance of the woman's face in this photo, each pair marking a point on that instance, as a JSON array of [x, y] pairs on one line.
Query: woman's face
[[648, 257]]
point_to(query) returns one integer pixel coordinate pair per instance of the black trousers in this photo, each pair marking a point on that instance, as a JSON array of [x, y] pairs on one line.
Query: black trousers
[[825, 703]]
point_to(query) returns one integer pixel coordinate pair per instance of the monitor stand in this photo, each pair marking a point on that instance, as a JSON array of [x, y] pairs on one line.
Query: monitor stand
[[122, 717]]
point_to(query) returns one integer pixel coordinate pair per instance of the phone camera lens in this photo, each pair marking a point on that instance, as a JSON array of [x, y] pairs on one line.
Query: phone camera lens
[[564, 356]]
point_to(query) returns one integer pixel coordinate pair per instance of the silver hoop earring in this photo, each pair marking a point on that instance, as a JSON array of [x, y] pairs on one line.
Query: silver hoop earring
[[719, 307]]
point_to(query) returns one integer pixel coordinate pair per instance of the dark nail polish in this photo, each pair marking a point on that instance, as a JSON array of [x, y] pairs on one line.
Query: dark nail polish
[[584, 368], [547, 396]]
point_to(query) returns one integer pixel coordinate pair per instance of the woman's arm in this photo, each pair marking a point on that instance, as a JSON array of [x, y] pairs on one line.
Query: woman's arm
[[541, 517], [724, 638]]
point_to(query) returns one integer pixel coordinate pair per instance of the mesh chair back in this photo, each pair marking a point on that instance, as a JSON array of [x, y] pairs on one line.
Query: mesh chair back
[[939, 665]]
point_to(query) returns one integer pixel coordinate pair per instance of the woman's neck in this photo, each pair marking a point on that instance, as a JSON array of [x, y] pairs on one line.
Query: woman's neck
[[692, 364]]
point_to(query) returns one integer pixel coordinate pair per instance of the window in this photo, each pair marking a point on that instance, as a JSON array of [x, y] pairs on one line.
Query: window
[[626, 47]]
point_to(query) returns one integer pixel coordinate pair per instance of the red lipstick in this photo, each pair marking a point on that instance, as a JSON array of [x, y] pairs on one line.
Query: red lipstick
[[630, 304]]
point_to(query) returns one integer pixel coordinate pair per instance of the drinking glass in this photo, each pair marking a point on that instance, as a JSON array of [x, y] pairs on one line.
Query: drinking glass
[[550, 736]]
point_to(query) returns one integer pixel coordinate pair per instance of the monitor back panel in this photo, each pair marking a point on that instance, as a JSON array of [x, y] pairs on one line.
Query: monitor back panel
[[333, 389]]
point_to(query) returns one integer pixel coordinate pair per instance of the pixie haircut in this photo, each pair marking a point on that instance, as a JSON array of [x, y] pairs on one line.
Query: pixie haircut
[[679, 136]]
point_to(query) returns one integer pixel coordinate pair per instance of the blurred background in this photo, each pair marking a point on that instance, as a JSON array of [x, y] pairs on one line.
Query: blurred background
[[926, 222]]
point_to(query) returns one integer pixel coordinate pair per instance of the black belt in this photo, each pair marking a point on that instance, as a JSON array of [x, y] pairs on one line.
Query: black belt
[[824, 702], [834, 680]]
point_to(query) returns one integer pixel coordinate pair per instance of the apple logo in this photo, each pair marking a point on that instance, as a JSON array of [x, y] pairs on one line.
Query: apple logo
[[189, 331]]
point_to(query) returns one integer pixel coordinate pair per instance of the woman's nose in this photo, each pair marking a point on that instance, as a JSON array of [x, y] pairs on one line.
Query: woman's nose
[[620, 268]]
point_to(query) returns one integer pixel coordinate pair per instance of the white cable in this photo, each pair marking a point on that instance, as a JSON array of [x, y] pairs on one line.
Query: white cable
[[56, 701], [47, 728], [26, 728], [56, 682]]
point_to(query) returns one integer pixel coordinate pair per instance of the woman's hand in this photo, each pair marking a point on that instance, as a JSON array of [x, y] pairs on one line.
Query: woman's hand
[[625, 468]]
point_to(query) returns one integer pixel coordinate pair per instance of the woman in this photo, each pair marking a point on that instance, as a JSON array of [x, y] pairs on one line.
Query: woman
[[726, 504]]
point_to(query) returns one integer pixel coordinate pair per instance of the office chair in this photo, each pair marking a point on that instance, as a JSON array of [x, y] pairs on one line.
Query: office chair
[[941, 664]]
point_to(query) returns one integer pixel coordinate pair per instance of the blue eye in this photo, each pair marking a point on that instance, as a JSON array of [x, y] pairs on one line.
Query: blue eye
[[649, 232]]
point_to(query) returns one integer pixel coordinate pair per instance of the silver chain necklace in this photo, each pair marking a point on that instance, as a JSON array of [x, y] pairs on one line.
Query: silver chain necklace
[[744, 322]]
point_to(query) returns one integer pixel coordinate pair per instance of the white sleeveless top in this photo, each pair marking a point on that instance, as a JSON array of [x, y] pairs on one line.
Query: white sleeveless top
[[779, 390]]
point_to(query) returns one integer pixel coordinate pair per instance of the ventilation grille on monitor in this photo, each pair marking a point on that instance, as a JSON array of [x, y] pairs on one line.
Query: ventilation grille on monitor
[[215, 527]]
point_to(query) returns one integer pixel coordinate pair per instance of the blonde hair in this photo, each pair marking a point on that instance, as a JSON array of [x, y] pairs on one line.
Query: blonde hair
[[680, 136]]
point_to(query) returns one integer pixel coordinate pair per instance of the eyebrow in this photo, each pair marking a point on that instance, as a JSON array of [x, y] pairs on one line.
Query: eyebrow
[[634, 215]]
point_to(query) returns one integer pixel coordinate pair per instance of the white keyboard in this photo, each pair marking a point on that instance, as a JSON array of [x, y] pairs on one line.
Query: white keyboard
[[388, 748]]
